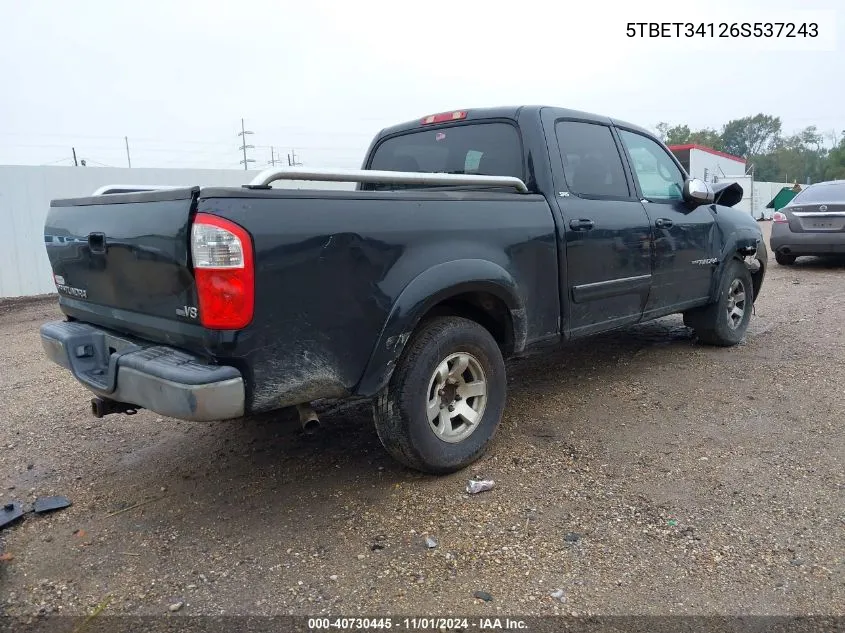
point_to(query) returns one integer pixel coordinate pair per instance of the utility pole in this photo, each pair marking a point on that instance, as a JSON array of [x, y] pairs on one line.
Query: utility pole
[[292, 162], [245, 162], [128, 159], [272, 162], [75, 163]]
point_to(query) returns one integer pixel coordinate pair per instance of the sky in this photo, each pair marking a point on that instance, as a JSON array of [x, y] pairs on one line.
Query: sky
[[320, 77]]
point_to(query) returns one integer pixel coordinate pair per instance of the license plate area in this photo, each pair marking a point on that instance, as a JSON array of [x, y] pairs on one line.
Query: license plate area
[[823, 224]]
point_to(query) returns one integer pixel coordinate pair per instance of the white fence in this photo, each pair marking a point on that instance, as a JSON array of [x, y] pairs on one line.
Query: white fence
[[26, 192]]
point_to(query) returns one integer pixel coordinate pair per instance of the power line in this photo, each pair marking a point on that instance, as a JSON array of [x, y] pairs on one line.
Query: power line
[[60, 160]]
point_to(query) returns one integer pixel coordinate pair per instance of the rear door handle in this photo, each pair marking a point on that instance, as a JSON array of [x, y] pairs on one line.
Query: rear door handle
[[663, 223], [581, 224]]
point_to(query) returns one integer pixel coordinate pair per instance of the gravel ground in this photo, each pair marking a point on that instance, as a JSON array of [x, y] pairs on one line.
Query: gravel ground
[[636, 473]]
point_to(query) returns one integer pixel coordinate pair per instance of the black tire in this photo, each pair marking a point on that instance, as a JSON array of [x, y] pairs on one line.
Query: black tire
[[783, 259], [712, 323], [401, 417]]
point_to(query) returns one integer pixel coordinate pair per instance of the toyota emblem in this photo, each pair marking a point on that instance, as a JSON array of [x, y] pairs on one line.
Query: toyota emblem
[[823, 208]]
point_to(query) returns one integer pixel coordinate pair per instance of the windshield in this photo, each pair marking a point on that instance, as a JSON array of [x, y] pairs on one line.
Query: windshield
[[821, 193], [491, 149]]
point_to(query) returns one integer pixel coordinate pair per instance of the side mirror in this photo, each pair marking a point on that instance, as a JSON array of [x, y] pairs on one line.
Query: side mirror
[[698, 192]]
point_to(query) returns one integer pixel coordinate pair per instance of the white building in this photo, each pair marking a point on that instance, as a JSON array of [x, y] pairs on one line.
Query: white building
[[708, 164], [26, 192]]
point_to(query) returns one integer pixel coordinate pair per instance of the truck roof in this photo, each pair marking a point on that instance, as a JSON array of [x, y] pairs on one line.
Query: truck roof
[[512, 112]]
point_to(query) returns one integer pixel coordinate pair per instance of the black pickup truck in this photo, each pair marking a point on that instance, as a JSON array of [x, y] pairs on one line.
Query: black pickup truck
[[470, 237]]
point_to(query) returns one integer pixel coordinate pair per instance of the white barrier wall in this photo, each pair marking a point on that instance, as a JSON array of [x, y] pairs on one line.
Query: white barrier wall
[[26, 192]]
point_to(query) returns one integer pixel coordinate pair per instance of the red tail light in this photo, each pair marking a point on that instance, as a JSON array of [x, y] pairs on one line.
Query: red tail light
[[224, 273], [779, 217]]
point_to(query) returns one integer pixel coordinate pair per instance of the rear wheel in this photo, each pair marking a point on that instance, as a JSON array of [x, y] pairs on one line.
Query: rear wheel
[[725, 321], [445, 398], [783, 259]]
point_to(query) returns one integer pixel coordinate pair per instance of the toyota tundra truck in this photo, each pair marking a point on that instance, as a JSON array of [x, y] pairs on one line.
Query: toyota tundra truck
[[469, 237]]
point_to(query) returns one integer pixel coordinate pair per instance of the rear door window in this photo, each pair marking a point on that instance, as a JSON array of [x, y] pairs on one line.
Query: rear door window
[[490, 149], [591, 161]]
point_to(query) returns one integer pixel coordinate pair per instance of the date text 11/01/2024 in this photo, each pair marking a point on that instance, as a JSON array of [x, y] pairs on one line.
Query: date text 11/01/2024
[[722, 29], [416, 624]]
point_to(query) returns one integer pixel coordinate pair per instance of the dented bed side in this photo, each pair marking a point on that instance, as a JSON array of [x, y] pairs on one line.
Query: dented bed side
[[386, 258]]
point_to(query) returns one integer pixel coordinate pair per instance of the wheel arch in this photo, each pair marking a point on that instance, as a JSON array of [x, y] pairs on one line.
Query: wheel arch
[[738, 248], [476, 289]]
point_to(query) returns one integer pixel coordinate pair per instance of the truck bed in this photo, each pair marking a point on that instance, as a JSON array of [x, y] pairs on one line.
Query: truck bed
[[331, 267]]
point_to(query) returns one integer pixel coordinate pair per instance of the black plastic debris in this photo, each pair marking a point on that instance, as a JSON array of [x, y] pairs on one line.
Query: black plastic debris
[[483, 595], [48, 504], [10, 512]]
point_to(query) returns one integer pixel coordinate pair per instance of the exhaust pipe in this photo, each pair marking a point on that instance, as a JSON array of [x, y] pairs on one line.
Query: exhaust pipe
[[101, 407], [308, 418]]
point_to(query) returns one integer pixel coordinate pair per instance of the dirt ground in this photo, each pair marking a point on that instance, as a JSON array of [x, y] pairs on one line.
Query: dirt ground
[[638, 472]]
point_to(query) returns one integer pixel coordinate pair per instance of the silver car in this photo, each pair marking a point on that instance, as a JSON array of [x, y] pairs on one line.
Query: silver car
[[813, 223]]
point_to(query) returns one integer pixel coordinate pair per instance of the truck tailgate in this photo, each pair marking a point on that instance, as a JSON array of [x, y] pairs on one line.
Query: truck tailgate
[[126, 252]]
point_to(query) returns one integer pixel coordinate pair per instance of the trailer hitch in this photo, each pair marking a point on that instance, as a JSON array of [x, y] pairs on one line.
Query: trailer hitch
[[101, 407]]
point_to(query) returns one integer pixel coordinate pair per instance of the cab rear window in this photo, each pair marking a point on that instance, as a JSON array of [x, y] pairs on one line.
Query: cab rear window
[[490, 149]]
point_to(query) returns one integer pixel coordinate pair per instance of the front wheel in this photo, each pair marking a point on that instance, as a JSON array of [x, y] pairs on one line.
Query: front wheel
[[445, 398], [725, 321]]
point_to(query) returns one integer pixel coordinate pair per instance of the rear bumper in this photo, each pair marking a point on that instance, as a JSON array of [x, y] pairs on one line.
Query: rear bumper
[[155, 377], [785, 241]]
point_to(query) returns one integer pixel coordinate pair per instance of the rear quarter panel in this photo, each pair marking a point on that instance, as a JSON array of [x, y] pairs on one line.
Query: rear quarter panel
[[331, 266]]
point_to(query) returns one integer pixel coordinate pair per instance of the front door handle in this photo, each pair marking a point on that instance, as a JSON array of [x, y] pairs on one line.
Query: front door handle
[[663, 223], [581, 224]]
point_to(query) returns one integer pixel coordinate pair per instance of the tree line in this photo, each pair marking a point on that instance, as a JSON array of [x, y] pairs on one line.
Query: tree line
[[806, 156]]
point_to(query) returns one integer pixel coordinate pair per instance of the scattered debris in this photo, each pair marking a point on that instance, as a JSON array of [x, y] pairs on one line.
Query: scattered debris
[[13, 510], [48, 504], [559, 595], [361, 557], [97, 611], [483, 595], [376, 546], [132, 507], [672, 522], [333, 577], [10, 512], [173, 608], [474, 486], [430, 542], [572, 537], [4, 558], [80, 533]]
